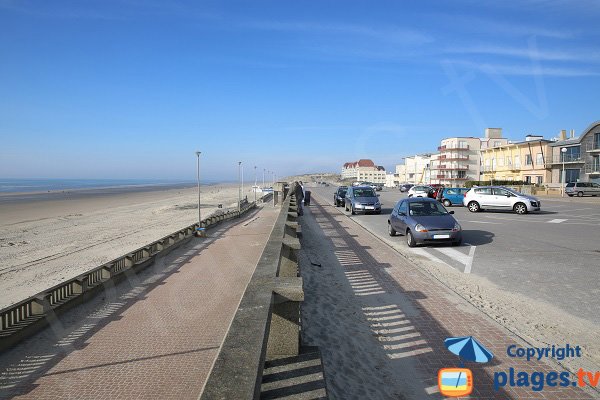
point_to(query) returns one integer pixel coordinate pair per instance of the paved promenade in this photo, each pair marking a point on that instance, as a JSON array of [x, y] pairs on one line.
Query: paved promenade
[[380, 321], [154, 336]]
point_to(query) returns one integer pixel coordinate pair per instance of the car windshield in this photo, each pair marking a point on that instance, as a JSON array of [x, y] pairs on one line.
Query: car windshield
[[342, 192], [426, 209], [364, 193]]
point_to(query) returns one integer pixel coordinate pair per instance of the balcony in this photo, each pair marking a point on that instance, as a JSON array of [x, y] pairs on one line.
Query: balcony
[[451, 167], [453, 157], [593, 147], [453, 147], [592, 169], [567, 159]]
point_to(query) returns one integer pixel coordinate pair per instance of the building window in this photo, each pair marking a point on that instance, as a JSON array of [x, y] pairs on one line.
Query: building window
[[517, 162], [595, 163], [597, 141], [528, 180], [539, 159], [539, 180], [508, 161], [497, 144], [528, 159], [501, 161], [572, 154], [572, 175]]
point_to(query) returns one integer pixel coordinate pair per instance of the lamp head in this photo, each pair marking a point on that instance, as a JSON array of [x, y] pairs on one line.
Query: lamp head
[[198, 153], [564, 149]]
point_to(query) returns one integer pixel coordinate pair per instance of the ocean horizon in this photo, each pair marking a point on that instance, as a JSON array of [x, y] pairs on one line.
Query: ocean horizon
[[31, 185]]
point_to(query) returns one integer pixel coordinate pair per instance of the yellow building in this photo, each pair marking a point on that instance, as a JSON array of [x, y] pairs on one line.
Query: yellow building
[[529, 161]]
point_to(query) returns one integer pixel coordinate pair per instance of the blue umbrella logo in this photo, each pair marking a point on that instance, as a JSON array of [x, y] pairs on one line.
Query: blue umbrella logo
[[469, 349]]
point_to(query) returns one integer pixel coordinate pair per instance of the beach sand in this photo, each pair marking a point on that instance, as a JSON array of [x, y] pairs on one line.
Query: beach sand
[[46, 242]]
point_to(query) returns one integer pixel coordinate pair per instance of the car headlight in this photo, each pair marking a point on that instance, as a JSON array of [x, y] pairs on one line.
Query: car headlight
[[420, 228], [456, 228]]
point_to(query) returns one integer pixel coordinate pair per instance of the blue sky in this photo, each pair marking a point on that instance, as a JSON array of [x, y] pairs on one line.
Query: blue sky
[[131, 88]]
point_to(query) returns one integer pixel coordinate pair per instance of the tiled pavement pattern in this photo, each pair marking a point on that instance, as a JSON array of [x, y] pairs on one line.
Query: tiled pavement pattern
[[153, 337], [407, 313]]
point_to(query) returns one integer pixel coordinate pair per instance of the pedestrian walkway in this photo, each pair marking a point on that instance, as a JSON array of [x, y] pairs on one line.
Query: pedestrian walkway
[[154, 336], [380, 321]]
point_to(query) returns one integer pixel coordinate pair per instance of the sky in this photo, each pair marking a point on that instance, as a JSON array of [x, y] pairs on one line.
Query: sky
[[132, 88]]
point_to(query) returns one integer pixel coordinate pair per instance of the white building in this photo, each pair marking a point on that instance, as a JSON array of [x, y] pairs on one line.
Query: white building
[[416, 169], [364, 170], [459, 158]]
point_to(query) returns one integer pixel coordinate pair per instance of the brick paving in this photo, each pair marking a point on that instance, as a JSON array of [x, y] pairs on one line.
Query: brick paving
[[408, 313], [153, 337]]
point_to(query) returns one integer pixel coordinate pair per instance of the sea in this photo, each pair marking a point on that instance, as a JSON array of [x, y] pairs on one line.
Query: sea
[[51, 185]]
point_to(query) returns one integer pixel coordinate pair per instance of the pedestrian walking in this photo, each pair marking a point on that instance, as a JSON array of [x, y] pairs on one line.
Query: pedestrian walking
[[299, 192]]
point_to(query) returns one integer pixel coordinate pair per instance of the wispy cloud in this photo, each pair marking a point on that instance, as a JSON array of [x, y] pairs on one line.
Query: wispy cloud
[[517, 52], [384, 34], [524, 70]]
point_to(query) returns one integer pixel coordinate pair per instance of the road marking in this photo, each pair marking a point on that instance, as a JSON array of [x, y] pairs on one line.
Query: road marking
[[469, 264], [486, 222], [556, 221]]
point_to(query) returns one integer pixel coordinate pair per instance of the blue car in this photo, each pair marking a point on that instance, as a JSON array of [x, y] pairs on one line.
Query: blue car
[[452, 196]]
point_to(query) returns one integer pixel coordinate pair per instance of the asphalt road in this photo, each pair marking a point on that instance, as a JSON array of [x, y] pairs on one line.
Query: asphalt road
[[552, 255]]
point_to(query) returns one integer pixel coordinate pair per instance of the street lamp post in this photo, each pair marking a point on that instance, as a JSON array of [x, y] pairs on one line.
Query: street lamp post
[[264, 178], [564, 176], [243, 181], [239, 187], [255, 184], [199, 212]]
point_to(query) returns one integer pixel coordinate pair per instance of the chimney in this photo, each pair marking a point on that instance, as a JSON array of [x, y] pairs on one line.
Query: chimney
[[563, 135], [572, 133]]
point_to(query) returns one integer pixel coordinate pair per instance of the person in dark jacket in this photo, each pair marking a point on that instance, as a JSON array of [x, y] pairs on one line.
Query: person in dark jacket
[[299, 197]]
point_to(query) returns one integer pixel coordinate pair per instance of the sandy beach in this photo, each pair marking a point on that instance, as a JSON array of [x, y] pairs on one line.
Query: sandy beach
[[48, 239]]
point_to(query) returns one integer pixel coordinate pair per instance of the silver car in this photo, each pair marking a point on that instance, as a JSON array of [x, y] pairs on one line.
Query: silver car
[[580, 189], [499, 198], [424, 220], [362, 199]]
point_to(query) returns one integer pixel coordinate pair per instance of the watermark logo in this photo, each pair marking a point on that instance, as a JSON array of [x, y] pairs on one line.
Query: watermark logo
[[455, 382]]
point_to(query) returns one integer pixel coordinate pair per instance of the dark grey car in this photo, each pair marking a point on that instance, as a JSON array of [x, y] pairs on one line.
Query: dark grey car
[[362, 199], [424, 220], [339, 196]]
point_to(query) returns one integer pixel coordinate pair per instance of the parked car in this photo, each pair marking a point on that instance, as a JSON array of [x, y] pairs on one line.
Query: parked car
[[424, 220], [419, 191], [362, 199], [580, 189], [452, 196], [499, 198], [435, 190], [378, 187], [339, 196], [406, 187]]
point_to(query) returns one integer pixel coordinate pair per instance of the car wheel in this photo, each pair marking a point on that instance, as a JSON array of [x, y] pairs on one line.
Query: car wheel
[[579, 194], [410, 240], [352, 210], [473, 206], [447, 203], [378, 212], [336, 204], [520, 208], [457, 242], [345, 207], [391, 231]]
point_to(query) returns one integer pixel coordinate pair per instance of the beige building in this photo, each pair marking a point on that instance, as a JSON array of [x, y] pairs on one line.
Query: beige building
[[529, 161], [364, 170], [459, 158]]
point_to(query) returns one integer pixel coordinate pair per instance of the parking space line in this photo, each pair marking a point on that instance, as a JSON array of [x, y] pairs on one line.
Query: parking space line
[[556, 221]]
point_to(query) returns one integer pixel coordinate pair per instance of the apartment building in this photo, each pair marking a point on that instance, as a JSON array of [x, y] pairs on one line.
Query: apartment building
[[528, 161], [578, 157], [416, 169], [364, 170], [459, 158]]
